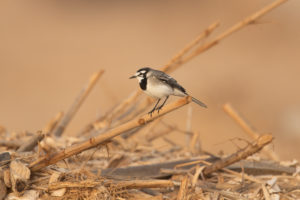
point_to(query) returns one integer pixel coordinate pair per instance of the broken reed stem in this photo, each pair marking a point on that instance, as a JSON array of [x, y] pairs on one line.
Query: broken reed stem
[[138, 184], [134, 184], [53, 123], [242, 175], [246, 126], [107, 119], [100, 139], [176, 59], [65, 184], [236, 27], [241, 154], [236, 116], [58, 131], [183, 190]]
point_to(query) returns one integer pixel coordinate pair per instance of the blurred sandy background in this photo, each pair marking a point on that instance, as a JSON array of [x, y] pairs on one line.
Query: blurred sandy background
[[49, 49]]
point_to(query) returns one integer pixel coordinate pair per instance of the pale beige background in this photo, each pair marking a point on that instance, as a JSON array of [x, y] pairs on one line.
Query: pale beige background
[[49, 49]]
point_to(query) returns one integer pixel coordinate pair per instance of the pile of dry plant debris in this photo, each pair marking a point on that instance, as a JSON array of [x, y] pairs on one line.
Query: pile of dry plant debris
[[113, 157]]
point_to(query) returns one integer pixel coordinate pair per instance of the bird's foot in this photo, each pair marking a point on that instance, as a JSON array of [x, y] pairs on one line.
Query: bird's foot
[[150, 113], [158, 109]]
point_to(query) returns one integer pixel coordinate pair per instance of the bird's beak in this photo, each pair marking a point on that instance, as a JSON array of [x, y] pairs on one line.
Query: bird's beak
[[131, 77]]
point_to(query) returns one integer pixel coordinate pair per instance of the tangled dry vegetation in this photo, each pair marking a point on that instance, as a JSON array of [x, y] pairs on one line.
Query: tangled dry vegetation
[[113, 156]]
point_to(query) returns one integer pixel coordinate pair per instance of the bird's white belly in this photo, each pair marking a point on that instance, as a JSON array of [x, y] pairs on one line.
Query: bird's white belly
[[158, 90]]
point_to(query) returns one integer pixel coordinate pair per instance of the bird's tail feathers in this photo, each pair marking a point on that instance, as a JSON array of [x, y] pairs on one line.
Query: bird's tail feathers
[[199, 102]]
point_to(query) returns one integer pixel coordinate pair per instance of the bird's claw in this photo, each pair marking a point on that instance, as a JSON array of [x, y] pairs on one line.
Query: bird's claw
[[158, 109], [150, 113]]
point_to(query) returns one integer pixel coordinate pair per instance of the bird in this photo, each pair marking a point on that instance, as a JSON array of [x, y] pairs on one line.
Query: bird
[[159, 85]]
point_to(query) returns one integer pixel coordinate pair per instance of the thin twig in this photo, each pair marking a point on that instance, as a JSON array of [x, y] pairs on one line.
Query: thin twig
[[137, 184], [176, 60], [241, 154], [246, 126], [92, 142], [58, 131], [236, 27], [53, 123]]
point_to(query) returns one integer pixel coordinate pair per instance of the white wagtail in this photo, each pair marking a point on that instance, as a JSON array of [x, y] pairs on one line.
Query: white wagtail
[[160, 85]]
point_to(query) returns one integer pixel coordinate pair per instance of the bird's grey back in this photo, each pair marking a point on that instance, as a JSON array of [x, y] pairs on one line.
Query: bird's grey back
[[163, 77]]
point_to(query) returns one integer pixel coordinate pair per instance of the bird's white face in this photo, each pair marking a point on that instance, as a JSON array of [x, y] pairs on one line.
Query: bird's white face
[[140, 75]]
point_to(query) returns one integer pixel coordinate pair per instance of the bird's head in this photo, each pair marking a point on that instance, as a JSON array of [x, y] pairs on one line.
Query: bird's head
[[141, 74]]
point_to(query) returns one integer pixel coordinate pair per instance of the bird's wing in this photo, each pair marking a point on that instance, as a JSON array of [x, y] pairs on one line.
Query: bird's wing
[[169, 80]]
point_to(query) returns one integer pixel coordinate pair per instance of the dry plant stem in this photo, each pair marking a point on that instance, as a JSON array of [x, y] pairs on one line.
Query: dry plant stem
[[138, 184], [265, 192], [107, 119], [238, 26], [250, 178], [198, 171], [227, 194], [31, 143], [195, 144], [92, 142], [135, 184], [246, 126], [124, 104], [241, 154], [81, 184], [176, 59], [234, 114], [53, 123], [183, 190], [58, 131]]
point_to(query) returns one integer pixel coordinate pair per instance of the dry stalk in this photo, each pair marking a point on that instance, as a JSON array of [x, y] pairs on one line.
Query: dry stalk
[[236, 27], [183, 190], [195, 144], [100, 139], [195, 178], [241, 154], [138, 184], [81, 184], [267, 196], [177, 59], [53, 123], [59, 129], [246, 126]]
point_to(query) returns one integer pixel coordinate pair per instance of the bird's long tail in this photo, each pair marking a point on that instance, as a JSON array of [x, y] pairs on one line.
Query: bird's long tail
[[199, 102]]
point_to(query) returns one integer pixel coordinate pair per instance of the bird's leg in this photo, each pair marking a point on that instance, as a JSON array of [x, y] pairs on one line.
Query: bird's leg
[[150, 113], [162, 105]]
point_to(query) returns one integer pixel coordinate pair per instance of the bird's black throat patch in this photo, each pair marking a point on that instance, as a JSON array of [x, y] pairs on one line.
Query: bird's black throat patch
[[143, 84]]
